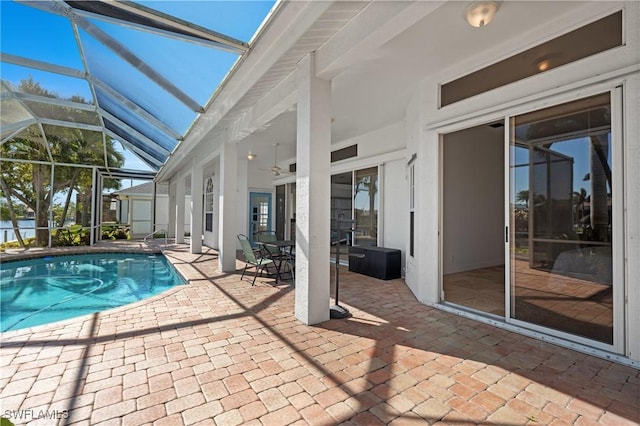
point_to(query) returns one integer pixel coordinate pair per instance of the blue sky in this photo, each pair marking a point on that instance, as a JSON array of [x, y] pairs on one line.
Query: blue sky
[[575, 149], [196, 70]]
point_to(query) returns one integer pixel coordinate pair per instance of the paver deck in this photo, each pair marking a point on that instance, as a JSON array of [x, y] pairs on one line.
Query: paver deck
[[219, 351]]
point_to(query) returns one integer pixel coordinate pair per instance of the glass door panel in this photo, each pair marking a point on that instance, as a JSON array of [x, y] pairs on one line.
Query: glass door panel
[[281, 211], [259, 213], [365, 201], [341, 212], [561, 218], [473, 206]]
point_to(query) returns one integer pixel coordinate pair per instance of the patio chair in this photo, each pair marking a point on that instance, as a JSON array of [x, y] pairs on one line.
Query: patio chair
[[253, 257], [283, 258], [290, 261], [266, 237]]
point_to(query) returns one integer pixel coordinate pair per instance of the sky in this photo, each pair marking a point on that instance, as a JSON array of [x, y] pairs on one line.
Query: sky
[[575, 149], [195, 69]]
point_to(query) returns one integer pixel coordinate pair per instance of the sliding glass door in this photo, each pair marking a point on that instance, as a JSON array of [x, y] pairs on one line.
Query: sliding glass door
[[562, 219], [354, 209]]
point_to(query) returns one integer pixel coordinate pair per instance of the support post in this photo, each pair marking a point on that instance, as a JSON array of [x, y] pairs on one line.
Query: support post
[[228, 203], [180, 208], [171, 226], [196, 208], [313, 192]]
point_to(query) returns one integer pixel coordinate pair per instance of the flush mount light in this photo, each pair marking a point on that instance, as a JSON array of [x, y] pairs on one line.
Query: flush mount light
[[549, 61], [251, 156], [543, 65], [480, 13]]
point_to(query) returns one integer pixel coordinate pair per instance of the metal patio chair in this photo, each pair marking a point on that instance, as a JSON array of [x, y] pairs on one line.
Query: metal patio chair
[[253, 257]]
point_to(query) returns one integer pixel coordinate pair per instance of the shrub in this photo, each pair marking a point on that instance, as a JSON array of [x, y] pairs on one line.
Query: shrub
[[73, 235], [115, 232]]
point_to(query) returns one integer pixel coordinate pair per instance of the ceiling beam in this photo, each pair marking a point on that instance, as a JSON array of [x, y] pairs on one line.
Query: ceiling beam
[[124, 126], [142, 155], [172, 27], [63, 9], [18, 126], [40, 65], [54, 101], [135, 108], [179, 26], [71, 124], [138, 63]]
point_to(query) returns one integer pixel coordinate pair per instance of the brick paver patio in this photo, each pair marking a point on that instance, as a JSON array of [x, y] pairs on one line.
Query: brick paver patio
[[219, 351]]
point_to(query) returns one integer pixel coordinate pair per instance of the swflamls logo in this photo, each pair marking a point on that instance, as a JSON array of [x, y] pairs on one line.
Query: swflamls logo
[[34, 415]]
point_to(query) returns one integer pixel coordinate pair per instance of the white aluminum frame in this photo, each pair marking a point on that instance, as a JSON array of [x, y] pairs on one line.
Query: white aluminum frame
[[621, 334]]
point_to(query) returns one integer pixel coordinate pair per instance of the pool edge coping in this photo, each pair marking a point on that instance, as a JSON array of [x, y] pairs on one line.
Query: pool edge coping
[[6, 336]]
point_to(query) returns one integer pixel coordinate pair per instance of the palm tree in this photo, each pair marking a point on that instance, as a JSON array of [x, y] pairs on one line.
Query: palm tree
[[579, 198]]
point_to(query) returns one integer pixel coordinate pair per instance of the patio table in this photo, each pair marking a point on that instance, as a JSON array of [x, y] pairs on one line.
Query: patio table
[[284, 247]]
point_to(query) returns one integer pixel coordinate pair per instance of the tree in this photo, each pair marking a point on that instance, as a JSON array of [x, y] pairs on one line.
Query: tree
[[30, 183], [523, 197]]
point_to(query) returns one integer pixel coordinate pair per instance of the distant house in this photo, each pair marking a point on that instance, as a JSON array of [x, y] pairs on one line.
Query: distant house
[[134, 207]]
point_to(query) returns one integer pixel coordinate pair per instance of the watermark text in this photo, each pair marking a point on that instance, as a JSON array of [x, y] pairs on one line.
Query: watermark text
[[30, 414]]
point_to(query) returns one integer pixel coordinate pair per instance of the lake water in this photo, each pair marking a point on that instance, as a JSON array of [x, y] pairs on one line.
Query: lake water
[[26, 229]]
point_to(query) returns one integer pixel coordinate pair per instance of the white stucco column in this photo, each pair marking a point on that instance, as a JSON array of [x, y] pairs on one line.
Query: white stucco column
[[180, 208], [227, 205], [171, 227], [313, 193], [196, 208]]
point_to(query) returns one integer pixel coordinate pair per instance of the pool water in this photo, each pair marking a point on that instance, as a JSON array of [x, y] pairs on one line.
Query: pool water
[[44, 290]]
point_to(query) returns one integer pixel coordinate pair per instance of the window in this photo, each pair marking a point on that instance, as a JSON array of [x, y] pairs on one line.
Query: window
[[208, 205]]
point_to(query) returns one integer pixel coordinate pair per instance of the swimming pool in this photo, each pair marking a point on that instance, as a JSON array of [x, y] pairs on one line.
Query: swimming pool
[[48, 289]]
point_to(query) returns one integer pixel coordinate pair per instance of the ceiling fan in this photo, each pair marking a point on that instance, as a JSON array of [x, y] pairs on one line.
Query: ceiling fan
[[275, 169]]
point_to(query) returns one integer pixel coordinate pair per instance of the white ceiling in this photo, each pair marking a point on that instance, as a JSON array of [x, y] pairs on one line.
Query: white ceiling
[[374, 92]]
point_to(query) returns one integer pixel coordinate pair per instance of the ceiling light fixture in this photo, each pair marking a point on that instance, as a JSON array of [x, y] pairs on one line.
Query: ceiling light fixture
[[251, 156], [544, 65], [480, 13]]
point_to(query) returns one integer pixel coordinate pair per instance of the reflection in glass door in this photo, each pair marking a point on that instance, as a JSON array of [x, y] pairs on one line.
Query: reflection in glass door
[[341, 212], [259, 213], [561, 198], [365, 205]]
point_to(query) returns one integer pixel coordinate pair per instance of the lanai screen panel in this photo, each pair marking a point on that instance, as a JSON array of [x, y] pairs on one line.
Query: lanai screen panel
[[91, 87], [136, 74]]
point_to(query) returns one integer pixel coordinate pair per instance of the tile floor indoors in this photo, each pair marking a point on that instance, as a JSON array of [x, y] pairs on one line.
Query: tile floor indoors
[[219, 351], [560, 302]]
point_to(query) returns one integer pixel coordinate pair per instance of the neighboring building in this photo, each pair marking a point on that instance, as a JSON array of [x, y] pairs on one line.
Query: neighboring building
[[134, 208], [448, 131]]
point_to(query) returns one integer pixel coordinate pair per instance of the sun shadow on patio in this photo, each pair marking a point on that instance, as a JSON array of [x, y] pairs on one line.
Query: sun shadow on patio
[[219, 348]]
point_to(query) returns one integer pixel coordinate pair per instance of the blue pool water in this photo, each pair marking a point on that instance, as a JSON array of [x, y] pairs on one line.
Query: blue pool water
[[48, 289]]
